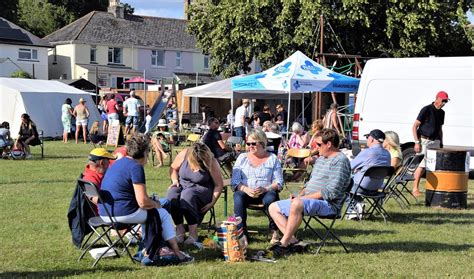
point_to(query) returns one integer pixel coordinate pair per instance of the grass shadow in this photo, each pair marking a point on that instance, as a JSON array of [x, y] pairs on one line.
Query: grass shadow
[[435, 218], [407, 246], [61, 272]]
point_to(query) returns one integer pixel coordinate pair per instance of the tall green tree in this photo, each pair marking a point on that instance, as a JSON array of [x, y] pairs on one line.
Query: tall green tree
[[41, 17], [235, 32]]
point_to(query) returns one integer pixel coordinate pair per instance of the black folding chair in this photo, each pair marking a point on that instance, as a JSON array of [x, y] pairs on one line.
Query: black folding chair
[[374, 198], [102, 228], [328, 229], [398, 185]]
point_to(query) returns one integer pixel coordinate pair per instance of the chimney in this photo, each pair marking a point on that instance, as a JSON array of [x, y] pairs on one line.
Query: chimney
[[116, 8]]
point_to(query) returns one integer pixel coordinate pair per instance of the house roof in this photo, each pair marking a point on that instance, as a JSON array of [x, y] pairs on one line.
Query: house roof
[[13, 34], [146, 31]]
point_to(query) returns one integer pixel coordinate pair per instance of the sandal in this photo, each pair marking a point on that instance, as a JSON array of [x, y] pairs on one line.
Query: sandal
[[279, 250]]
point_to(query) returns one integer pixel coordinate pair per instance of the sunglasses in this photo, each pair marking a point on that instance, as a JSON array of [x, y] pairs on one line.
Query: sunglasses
[[251, 143], [444, 101]]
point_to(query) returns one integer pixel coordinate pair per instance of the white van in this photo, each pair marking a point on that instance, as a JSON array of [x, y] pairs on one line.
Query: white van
[[392, 92]]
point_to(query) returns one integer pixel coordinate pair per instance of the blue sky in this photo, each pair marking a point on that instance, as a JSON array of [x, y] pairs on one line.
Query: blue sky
[[160, 8], [175, 8]]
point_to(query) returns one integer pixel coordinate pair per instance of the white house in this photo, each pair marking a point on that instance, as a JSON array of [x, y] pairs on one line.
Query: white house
[[21, 50]]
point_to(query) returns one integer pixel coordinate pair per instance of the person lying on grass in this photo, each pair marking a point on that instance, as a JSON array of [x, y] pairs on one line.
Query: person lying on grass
[[321, 196]]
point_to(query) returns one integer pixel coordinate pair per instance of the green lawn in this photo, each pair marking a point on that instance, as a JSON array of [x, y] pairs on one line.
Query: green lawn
[[35, 240]]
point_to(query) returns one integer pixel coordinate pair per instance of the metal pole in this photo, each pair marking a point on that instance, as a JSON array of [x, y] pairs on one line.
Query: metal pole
[[302, 107], [97, 84], [288, 116], [144, 87]]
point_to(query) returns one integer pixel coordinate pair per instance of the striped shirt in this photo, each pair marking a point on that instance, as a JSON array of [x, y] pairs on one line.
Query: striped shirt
[[262, 176], [330, 176]]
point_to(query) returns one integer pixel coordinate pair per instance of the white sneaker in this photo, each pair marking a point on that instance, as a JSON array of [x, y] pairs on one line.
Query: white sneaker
[[360, 210], [351, 214]]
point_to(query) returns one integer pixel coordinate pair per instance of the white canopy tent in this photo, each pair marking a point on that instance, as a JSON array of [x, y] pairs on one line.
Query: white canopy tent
[[222, 89], [42, 100]]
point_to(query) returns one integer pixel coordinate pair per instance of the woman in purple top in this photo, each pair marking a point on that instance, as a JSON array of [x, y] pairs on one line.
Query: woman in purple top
[[197, 185]]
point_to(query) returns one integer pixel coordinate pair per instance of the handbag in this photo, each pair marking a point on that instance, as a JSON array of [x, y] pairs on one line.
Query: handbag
[[232, 240]]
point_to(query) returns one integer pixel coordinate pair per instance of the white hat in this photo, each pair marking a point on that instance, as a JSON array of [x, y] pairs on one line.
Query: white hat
[[162, 123]]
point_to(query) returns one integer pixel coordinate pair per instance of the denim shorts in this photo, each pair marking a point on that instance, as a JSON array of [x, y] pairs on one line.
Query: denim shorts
[[311, 207], [132, 120]]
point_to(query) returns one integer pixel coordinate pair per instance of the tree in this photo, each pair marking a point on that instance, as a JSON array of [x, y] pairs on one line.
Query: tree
[[42, 18], [20, 74], [128, 10], [270, 30]]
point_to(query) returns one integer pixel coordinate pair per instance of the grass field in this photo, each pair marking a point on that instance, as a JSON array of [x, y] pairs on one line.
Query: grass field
[[35, 240]]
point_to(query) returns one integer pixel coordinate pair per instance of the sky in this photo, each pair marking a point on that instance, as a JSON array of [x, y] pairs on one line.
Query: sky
[[159, 8], [175, 8]]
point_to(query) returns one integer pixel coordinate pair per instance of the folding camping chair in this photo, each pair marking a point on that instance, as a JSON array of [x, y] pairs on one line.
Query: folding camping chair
[[299, 154], [232, 141], [212, 212], [102, 228], [399, 182], [374, 198], [328, 229]]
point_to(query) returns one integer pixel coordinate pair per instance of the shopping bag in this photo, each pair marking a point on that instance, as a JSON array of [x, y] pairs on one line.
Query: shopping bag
[[232, 240]]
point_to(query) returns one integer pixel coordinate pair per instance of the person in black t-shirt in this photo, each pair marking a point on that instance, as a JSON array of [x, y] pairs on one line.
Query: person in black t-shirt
[[264, 115], [428, 132], [213, 140], [281, 117]]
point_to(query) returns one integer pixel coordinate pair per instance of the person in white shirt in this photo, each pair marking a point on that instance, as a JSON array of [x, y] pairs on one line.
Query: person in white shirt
[[130, 109], [147, 121], [241, 113]]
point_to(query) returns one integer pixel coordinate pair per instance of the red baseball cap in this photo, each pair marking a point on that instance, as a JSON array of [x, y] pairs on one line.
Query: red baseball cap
[[443, 95]]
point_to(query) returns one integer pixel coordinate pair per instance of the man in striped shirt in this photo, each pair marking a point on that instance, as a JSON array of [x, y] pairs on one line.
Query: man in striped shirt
[[322, 195]]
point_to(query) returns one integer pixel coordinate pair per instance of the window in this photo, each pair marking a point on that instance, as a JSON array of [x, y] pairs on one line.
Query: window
[[115, 55], [206, 61], [27, 54], [157, 57], [93, 54], [178, 59]]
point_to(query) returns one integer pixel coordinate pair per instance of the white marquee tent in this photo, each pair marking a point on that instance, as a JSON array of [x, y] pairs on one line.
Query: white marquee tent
[[42, 100]]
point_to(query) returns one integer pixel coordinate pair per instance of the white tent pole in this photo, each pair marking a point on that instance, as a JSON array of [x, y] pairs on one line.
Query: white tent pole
[[181, 112], [232, 112], [288, 115]]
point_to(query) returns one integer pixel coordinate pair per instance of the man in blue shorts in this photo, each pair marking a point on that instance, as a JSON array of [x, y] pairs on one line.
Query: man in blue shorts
[[321, 196]]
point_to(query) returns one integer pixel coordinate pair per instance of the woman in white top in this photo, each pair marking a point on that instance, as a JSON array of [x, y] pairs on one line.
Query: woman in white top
[[257, 178], [66, 116]]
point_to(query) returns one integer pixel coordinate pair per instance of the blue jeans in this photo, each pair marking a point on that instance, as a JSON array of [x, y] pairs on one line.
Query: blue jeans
[[242, 200]]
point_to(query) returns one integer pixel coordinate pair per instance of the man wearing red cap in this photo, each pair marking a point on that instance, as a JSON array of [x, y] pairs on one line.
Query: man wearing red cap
[[428, 132]]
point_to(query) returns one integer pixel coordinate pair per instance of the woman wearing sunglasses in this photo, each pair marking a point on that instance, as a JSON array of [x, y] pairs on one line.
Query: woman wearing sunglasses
[[257, 178]]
